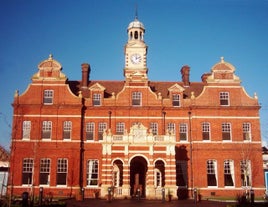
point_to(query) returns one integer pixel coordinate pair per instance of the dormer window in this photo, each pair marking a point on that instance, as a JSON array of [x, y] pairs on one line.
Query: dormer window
[[176, 100], [136, 99], [48, 96], [224, 99], [96, 99]]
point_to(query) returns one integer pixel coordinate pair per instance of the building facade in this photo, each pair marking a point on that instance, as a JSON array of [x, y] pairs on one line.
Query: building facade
[[135, 135]]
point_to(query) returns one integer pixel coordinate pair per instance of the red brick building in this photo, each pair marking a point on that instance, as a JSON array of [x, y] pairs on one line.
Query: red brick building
[[135, 134]]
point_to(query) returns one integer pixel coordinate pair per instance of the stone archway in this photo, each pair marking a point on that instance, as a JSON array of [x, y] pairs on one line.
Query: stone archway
[[138, 171]]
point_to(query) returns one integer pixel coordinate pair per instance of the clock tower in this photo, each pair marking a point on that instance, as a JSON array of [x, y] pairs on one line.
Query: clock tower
[[135, 53]]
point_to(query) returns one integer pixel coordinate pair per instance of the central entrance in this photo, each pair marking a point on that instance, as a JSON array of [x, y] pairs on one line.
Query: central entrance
[[138, 170]]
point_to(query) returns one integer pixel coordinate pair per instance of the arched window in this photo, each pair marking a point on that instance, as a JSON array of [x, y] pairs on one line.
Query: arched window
[[117, 173], [159, 174], [136, 35]]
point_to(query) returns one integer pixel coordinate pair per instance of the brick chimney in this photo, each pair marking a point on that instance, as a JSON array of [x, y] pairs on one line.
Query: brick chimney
[[185, 73], [85, 75], [204, 77]]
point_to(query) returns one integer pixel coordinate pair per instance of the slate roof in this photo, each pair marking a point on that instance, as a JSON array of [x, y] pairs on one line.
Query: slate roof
[[156, 86]]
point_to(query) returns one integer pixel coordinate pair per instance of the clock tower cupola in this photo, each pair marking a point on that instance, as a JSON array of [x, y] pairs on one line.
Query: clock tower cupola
[[136, 53]]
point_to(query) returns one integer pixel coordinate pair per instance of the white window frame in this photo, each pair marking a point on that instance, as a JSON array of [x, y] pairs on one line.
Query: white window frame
[[226, 127], [28, 168], [136, 98], [212, 170], [48, 97], [93, 172], [206, 131], [26, 130], [90, 131], [96, 99], [171, 128], [176, 100], [229, 170], [102, 127], [47, 128], [45, 166], [120, 128], [183, 131], [154, 128], [224, 99], [246, 131], [62, 168], [67, 130]]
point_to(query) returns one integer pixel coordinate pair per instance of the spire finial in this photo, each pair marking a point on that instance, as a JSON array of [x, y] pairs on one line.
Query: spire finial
[[222, 59], [136, 12], [50, 57]]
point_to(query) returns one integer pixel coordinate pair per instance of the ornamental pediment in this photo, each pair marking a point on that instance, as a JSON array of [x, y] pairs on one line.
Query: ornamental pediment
[[176, 88], [50, 64], [97, 87]]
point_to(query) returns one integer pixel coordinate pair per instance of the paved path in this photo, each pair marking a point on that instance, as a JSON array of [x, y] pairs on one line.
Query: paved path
[[143, 203]]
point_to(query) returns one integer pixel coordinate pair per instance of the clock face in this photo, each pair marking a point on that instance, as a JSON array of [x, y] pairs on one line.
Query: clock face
[[135, 58]]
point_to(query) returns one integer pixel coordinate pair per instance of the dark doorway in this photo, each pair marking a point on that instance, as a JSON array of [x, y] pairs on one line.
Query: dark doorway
[[138, 170], [182, 180]]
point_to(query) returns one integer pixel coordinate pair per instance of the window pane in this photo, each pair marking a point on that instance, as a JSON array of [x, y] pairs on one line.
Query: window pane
[[92, 172], [228, 173], [46, 129], [48, 96], [102, 128], [206, 131], [67, 128], [176, 100], [27, 170], [183, 132], [44, 171], [224, 98], [154, 128], [159, 173], [120, 128], [136, 98], [61, 172], [171, 128], [246, 131], [26, 129], [90, 131], [96, 99], [211, 173], [226, 131]]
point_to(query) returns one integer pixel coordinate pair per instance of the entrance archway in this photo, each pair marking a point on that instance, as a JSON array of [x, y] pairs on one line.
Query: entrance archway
[[138, 170]]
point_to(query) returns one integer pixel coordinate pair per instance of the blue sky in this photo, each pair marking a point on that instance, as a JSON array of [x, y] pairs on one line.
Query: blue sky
[[178, 32]]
